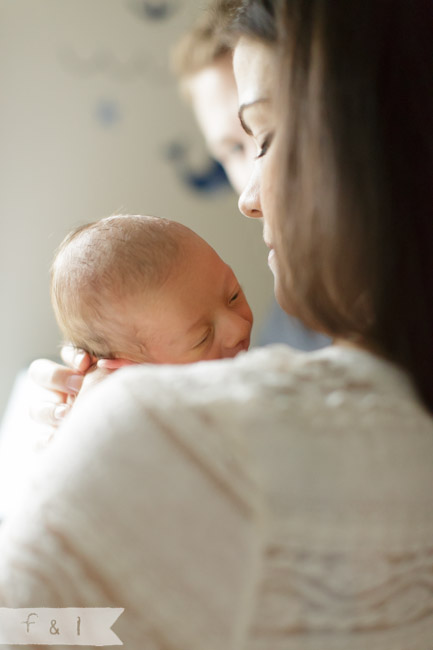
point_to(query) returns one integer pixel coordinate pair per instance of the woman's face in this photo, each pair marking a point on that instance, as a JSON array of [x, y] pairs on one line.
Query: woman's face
[[254, 66]]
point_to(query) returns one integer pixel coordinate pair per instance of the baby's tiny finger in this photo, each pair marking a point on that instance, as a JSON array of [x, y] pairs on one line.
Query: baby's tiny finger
[[60, 411], [54, 377], [76, 358], [114, 364], [49, 413]]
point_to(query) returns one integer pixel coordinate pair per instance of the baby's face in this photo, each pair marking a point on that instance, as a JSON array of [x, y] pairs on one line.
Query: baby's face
[[199, 313]]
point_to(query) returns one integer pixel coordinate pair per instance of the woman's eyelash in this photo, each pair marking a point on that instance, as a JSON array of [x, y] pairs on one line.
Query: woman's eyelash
[[235, 296], [265, 146]]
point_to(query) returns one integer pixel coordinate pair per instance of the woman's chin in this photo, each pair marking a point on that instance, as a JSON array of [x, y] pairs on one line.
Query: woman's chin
[[272, 261], [281, 297], [279, 292]]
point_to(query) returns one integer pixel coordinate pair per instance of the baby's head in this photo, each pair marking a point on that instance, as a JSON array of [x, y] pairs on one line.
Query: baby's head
[[148, 290]]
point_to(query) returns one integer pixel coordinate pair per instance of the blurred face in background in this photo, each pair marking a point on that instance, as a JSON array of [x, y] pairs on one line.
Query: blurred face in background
[[214, 100]]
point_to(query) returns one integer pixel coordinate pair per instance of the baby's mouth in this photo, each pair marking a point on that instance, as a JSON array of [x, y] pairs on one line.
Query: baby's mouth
[[244, 345]]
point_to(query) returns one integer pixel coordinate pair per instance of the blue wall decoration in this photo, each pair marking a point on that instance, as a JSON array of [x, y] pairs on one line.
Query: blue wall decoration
[[108, 112], [154, 10], [209, 179]]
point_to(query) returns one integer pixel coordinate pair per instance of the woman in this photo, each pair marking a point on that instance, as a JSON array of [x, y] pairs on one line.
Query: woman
[[278, 500], [356, 125]]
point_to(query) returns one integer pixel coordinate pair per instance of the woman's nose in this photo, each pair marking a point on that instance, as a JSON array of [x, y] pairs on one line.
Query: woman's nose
[[249, 200]]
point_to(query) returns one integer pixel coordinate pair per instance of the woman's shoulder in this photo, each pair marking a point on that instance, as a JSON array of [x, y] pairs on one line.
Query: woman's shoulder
[[332, 377], [340, 394], [271, 398]]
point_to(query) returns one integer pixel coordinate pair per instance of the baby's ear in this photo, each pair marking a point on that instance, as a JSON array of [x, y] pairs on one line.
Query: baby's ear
[[114, 364]]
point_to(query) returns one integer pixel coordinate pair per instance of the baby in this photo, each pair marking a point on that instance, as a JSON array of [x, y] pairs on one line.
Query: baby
[[147, 290]]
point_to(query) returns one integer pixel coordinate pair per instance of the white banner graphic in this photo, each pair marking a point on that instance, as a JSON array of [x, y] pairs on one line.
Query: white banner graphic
[[59, 626]]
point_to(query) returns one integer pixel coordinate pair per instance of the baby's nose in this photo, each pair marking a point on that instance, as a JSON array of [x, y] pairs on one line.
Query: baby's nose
[[237, 335]]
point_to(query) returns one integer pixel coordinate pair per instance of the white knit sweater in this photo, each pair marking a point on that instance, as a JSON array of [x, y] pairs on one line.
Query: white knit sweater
[[278, 501]]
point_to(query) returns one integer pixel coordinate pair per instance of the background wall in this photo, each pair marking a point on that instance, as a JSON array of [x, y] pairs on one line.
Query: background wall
[[90, 125]]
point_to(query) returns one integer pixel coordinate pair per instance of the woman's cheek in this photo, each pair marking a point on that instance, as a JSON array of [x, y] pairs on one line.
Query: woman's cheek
[[268, 199]]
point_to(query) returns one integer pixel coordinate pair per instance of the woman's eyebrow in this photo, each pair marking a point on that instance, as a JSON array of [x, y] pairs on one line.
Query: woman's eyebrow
[[243, 107]]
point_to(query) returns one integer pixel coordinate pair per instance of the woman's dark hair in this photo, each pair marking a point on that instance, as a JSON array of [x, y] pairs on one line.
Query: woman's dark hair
[[256, 19], [354, 183]]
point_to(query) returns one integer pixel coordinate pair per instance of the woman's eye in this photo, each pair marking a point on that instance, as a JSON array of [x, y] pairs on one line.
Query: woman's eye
[[234, 297], [265, 146]]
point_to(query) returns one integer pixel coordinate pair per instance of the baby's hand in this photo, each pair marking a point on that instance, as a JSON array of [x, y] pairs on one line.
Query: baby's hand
[[99, 371], [62, 384]]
